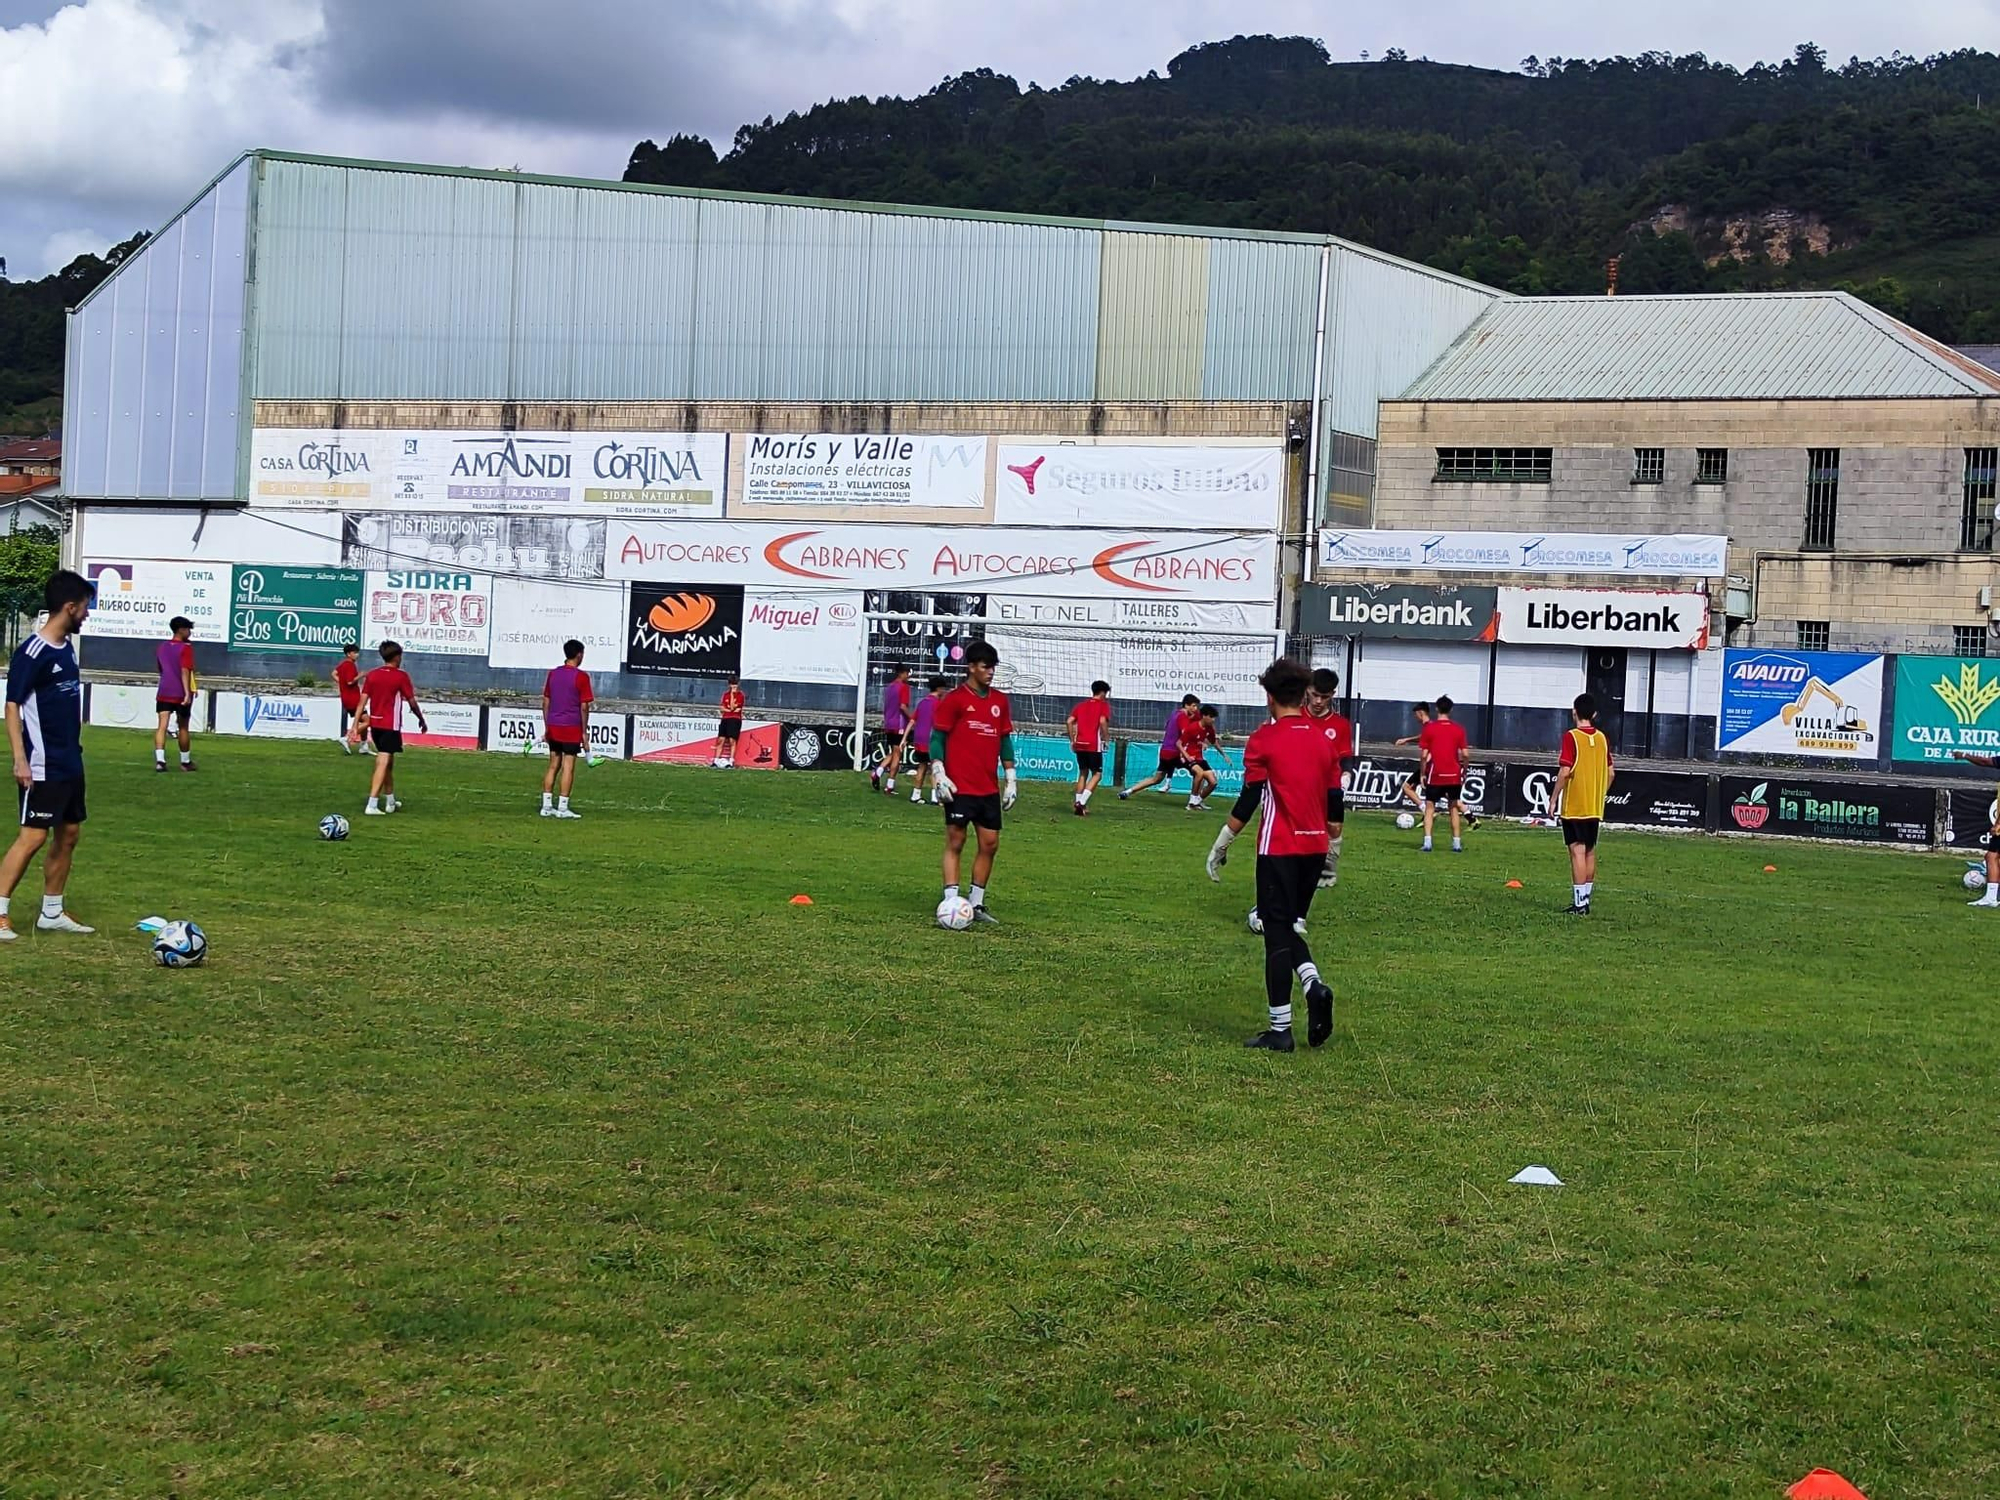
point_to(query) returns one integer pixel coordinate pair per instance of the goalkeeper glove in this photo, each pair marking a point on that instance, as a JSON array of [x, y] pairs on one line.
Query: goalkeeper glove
[[942, 784], [1010, 793], [1218, 854]]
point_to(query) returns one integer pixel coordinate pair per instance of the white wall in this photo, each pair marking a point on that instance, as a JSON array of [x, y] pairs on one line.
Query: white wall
[[1416, 671]]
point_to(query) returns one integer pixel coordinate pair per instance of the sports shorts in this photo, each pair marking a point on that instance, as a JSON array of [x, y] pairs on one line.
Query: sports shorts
[[729, 729], [1170, 762], [1285, 886], [181, 709], [1445, 791], [387, 741], [1580, 831], [564, 742], [978, 812], [49, 804], [1197, 764], [1090, 762], [920, 757]]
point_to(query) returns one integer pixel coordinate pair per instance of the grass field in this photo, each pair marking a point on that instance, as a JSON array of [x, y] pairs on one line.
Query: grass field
[[490, 1155]]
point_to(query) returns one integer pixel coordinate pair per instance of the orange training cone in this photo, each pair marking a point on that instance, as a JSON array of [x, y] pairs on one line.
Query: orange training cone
[[1824, 1484], [802, 901], [1770, 869], [1513, 885]]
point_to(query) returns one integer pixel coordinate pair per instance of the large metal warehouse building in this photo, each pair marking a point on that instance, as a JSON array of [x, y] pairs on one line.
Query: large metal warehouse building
[[484, 411]]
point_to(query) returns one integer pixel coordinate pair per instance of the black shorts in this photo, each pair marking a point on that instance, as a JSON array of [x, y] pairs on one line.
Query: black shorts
[[1170, 762], [920, 757], [979, 812], [1580, 831], [558, 745], [49, 804], [387, 741], [1336, 805], [183, 710], [1285, 886], [1197, 764], [347, 716], [1445, 791], [729, 729], [1090, 762]]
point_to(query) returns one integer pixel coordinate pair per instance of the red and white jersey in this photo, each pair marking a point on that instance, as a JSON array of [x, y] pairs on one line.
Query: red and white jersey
[[387, 689], [1294, 759], [973, 728], [1337, 729]]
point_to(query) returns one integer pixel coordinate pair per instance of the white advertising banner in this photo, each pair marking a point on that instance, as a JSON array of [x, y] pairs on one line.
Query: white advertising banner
[[860, 468], [1604, 617], [277, 717], [120, 705], [136, 599], [532, 619], [453, 726], [436, 611], [802, 637], [1524, 552], [960, 559], [679, 474], [519, 730], [684, 739], [1054, 482], [1141, 655]]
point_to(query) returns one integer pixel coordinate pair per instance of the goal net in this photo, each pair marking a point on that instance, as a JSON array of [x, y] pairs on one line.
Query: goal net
[[1047, 667]]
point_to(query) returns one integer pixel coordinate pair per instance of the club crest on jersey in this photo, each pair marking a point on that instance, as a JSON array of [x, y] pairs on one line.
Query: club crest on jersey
[[994, 709]]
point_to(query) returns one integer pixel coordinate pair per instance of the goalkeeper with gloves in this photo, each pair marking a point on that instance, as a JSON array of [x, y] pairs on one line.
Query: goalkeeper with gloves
[[972, 737], [1289, 768]]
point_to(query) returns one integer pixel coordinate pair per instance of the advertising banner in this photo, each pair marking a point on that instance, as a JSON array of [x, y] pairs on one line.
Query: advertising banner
[[658, 474], [1378, 784], [1060, 482], [532, 619], [430, 610], [816, 747], [1048, 757], [1638, 799], [1604, 617], [984, 559], [294, 609], [121, 705], [1799, 808], [277, 717], [1946, 703], [1136, 645], [851, 468], [697, 632], [541, 547], [689, 740], [1632, 553], [136, 599], [802, 637], [519, 730], [1820, 703], [1968, 820], [454, 726], [1403, 611], [925, 646]]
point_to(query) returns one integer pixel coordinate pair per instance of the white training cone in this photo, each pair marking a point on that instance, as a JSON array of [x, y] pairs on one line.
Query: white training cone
[[1537, 1177]]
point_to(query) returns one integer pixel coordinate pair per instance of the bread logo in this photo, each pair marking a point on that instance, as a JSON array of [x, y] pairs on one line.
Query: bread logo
[[677, 614]]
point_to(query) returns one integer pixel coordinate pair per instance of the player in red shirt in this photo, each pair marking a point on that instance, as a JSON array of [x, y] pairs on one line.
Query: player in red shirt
[[730, 729], [1289, 770], [384, 691], [347, 678], [1087, 723], [972, 736], [1170, 746], [1340, 733], [1197, 734], [1444, 745]]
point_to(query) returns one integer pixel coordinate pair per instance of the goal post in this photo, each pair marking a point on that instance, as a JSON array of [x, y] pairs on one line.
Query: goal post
[[1047, 667]]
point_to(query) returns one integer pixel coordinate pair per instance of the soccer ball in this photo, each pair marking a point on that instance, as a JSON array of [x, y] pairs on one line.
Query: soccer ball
[[179, 945], [1975, 880], [1406, 821], [954, 914], [333, 828]]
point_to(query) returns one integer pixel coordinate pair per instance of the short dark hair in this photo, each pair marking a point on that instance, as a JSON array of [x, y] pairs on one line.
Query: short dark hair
[[65, 588], [1286, 681], [898, 672], [1444, 705], [390, 650], [572, 648], [347, 646], [1326, 680], [939, 684], [735, 682], [1189, 699], [1208, 710], [1421, 710], [1099, 686], [981, 654], [1585, 706], [180, 622]]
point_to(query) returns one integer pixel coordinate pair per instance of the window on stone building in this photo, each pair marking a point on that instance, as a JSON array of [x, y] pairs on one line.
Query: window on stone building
[[1822, 498], [1711, 466], [1814, 635], [1982, 485], [1494, 465], [1968, 640], [1649, 466]]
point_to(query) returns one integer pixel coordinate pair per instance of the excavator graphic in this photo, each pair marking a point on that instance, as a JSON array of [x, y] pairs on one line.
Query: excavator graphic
[[1836, 718]]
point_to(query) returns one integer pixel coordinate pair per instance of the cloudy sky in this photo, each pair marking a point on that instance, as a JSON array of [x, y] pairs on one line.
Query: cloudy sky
[[114, 112]]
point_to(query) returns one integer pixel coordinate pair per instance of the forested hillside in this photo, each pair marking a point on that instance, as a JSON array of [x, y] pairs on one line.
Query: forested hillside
[[31, 340], [1882, 176]]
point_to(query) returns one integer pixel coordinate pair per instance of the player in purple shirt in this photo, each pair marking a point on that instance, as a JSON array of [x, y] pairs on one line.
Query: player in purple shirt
[[566, 697], [174, 697], [1170, 745], [895, 729], [920, 739]]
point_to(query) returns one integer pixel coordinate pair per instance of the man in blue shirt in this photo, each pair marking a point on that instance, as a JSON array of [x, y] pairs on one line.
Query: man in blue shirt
[[45, 732]]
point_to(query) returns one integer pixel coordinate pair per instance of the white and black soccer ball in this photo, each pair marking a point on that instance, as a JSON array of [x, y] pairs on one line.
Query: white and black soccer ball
[[179, 945], [333, 828], [1975, 879], [1406, 821], [954, 914]]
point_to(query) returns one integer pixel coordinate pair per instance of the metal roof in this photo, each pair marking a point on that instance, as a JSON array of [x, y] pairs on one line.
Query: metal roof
[[1745, 346]]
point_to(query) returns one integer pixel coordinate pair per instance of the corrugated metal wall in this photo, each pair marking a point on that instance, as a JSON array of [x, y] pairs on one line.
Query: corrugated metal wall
[[152, 386], [1386, 325]]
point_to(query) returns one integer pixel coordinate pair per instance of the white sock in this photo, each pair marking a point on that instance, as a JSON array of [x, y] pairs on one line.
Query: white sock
[[1586, 891], [1281, 1017], [51, 906], [545, 801], [1427, 843], [372, 802], [1333, 857], [1084, 795], [563, 803], [951, 893], [159, 757], [979, 895], [187, 757], [1308, 973], [890, 783], [1458, 843], [916, 794], [3, 905]]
